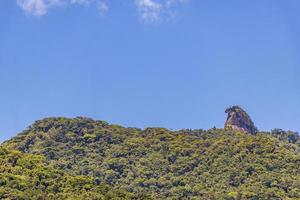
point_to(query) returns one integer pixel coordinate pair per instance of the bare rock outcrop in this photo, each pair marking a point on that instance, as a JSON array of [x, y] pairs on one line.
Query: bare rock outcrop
[[239, 120]]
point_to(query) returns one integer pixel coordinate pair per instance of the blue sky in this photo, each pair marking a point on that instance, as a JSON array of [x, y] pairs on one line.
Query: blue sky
[[176, 64]]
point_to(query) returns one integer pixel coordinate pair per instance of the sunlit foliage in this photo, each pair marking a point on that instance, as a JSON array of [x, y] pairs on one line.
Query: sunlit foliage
[[59, 158]]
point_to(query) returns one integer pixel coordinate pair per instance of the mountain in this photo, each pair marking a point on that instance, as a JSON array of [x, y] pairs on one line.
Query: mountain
[[81, 158]]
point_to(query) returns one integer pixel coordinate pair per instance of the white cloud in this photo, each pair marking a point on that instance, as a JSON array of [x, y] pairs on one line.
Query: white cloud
[[102, 7], [82, 2], [41, 7], [156, 10], [148, 10], [35, 7]]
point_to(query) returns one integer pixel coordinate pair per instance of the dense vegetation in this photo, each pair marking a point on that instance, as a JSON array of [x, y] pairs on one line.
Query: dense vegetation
[[27, 176], [60, 158]]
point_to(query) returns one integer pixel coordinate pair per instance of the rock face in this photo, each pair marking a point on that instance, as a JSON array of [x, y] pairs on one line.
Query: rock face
[[239, 120]]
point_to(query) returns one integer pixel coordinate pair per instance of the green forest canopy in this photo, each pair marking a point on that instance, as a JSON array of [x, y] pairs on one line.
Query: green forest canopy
[[80, 158]]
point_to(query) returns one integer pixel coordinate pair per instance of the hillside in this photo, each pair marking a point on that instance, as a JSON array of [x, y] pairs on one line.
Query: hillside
[[27, 176], [81, 158]]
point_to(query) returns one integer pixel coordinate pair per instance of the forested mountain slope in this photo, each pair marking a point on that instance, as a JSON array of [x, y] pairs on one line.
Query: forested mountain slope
[[60, 158], [28, 176]]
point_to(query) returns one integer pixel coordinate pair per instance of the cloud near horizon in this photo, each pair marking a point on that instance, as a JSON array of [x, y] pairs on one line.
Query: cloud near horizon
[[149, 10]]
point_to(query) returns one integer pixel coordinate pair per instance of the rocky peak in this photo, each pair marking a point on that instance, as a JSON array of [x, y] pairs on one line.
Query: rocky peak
[[239, 120]]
